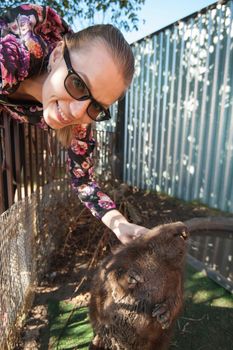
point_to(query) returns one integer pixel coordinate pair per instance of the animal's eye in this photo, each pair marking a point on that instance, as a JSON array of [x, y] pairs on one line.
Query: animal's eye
[[134, 278]]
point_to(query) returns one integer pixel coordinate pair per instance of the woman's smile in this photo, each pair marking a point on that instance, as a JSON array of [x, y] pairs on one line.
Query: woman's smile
[[61, 115]]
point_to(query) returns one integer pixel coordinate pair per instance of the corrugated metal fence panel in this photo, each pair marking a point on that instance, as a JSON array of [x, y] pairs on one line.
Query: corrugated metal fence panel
[[179, 110]]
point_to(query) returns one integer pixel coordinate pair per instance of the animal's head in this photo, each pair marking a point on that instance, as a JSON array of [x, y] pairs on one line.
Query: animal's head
[[151, 266]]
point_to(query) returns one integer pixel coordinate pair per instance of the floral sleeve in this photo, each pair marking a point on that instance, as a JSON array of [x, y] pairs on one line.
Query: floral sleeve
[[28, 35], [80, 166]]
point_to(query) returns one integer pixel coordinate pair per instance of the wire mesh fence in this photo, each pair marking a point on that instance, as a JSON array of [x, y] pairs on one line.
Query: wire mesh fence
[[31, 230], [17, 269]]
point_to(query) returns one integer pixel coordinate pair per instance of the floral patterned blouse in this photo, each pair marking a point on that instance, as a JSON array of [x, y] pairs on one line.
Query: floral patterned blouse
[[29, 33]]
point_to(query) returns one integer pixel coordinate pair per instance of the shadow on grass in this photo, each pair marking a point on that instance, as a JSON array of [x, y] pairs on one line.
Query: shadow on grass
[[69, 326], [207, 319]]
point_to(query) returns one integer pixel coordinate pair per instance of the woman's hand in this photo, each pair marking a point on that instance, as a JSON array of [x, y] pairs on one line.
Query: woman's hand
[[124, 230]]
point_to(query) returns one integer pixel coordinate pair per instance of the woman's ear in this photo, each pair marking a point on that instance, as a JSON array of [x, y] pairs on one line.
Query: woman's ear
[[57, 54]]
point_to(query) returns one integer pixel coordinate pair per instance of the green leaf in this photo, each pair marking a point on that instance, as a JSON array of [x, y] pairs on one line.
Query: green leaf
[[122, 13]]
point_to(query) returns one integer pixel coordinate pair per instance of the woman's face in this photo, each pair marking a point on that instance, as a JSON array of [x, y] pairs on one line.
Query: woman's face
[[96, 67]]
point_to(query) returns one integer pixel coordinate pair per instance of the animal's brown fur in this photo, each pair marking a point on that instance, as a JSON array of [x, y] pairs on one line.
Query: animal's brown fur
[[137, 293]]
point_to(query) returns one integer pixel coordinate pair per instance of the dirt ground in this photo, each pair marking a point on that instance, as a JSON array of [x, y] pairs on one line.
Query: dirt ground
[[74, 263]]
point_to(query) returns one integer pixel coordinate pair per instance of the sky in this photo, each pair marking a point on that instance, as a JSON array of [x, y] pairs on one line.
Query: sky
[[160, 13]]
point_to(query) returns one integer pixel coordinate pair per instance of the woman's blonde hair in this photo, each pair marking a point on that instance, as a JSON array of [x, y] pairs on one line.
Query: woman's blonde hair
[[119, 49]]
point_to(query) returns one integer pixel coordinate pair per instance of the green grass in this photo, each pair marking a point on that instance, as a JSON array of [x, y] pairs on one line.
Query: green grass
[[207, 320], [69, 327], [205, 324]]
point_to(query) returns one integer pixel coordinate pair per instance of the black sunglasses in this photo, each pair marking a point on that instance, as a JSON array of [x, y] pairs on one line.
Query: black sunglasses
[[76, 88]]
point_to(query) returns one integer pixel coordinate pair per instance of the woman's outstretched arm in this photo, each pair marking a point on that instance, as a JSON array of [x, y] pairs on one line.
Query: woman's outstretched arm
[[81, 168]]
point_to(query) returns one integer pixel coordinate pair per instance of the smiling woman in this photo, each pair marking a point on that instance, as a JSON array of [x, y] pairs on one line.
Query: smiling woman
[[74, 100], [62, 80]]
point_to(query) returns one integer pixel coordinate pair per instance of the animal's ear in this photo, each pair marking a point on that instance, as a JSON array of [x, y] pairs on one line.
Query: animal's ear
[[134, 278]]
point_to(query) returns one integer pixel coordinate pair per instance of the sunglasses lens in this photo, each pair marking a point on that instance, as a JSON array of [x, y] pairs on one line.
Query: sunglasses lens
[[78, 90], [96, 112], [76, 87]]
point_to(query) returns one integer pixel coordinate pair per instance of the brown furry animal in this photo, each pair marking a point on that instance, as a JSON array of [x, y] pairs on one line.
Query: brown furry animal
[[137, 293]]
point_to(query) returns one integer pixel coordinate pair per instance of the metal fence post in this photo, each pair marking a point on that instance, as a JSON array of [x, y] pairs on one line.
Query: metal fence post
[[118, 161]]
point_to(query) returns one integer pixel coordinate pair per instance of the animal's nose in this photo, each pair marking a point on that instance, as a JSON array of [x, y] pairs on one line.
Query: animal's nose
[[182, 232]]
